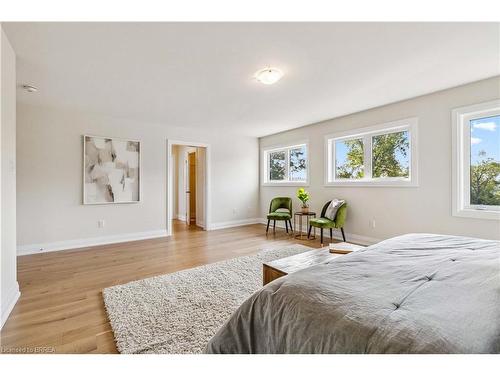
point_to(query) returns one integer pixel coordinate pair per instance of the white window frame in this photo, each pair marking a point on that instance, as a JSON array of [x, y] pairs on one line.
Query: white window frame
[[266, 151], [409, 124], [461, 118]]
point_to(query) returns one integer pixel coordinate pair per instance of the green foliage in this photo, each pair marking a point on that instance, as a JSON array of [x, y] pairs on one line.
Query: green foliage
[[277, 166], [296, 168], [384, 151], [354, 167], [297, 160], [485, 182], [303, 196]]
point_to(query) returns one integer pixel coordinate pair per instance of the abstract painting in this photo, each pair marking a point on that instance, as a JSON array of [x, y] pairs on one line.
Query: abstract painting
[[111, 170]]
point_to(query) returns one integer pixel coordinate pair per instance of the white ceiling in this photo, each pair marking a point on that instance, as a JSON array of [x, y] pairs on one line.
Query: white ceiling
[[201, 74]]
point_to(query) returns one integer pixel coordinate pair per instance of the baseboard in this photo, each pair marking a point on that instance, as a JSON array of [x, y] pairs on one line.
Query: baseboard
[[233, 223], [358, 239], [350, 237], [86, 242], [181, 217], [12, 297], [105, 240]]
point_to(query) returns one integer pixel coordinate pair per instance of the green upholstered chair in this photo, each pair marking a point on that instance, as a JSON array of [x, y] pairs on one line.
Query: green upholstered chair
[[323, 222], [276, 204]]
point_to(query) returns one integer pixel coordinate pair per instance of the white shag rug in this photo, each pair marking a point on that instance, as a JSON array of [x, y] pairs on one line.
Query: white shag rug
[[180, 312]]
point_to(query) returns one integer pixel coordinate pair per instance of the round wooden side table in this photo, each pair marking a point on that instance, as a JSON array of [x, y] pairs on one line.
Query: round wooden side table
[[299, 217]]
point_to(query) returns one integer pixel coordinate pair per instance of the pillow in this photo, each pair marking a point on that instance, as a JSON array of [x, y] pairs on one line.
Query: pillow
[[333, 207]]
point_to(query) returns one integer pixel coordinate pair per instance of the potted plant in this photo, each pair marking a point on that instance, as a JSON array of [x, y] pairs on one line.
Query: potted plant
[[304, 198]]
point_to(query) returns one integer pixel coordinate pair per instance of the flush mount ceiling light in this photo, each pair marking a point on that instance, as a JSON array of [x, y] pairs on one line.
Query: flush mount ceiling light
[[29, 88], [268, 76]]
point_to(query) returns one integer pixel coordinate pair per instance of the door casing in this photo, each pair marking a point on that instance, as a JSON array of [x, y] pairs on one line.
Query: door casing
[[169, 182]]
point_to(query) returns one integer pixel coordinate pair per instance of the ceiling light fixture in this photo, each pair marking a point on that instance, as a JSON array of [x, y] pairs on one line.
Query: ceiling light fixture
[[30, 88], [269, 75]]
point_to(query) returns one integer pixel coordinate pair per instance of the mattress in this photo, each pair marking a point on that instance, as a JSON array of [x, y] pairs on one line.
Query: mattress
[[417, 293]]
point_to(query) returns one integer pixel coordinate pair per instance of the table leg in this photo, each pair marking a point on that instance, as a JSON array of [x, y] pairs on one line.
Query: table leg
[[300, 227], [307, 223], [313, 237]]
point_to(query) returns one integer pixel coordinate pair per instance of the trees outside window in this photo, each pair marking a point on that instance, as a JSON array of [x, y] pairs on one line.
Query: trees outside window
[[286, 165], [277, 162], [476, 161], [298, 163], [390, 155], [485, 161], [379, 155], [349, 157]]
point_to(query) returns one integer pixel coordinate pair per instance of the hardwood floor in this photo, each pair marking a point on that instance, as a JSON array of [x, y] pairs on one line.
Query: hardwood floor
[[61, 309]]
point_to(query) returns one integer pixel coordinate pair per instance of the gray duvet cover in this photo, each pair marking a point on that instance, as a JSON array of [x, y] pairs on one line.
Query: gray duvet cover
[[417, 293]]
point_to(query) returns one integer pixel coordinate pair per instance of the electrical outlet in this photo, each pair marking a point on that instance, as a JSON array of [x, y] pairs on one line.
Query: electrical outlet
[[235, 211], [373, 223], [101, 223]]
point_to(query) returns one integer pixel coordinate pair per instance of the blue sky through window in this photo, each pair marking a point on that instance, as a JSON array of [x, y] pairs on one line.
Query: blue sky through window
[[345, 168], [341, 150], [298, 158], [485, 136], [403, 158]]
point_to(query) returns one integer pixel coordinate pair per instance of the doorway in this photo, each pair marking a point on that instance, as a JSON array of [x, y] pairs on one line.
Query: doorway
[[187, 186], [191, 188]]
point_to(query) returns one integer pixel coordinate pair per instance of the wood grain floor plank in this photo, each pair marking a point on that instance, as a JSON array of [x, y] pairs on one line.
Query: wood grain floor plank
[[61, 305]]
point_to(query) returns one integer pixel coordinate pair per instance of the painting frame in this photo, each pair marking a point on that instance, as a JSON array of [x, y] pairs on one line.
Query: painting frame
[[85, 200]]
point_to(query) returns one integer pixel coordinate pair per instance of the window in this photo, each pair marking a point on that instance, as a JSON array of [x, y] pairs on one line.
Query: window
[[349, 159], [286, 165], [476, 161], [382, 155], [390, 155], [277, 165]]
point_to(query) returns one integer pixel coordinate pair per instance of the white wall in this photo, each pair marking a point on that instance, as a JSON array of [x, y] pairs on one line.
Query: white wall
[[9, 287], [426, 208], [49, 151]]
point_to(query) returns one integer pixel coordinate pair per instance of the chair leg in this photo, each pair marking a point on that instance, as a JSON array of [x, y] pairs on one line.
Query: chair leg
[[267, 228], [321, 236], [331, 234], [286, 225], [309, 232], [343, 235], [274, 226], [290, 222]]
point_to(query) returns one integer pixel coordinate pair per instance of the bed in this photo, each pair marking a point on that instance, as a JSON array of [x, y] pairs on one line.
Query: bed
[[417, 293]]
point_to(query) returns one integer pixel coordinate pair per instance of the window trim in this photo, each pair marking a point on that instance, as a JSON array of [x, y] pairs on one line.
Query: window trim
[[410, 124], [461, 117], [265, 151]]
